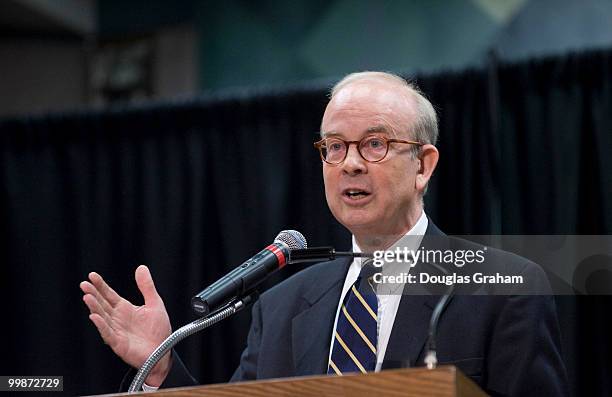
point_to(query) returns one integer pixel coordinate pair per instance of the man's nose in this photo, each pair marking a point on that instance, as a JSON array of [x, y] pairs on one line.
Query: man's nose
[[354, 163]]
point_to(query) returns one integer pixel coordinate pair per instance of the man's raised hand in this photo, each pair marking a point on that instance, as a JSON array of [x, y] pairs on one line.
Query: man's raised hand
[[133, 332]]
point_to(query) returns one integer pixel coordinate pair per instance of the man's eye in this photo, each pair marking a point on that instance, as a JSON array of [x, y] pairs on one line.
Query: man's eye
[[335, 146], [376, 143]]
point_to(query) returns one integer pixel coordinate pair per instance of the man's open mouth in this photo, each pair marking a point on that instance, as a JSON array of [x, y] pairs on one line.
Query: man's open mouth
[[355, 194]]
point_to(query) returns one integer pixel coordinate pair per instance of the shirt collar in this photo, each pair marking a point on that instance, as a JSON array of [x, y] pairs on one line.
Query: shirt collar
[[419, 229]]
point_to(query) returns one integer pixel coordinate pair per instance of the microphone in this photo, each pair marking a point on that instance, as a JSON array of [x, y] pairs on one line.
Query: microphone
[[318, 254], [252, 272], [431, 356]]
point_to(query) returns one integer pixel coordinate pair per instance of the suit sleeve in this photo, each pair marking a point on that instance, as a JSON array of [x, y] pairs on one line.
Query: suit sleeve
[[247, 370], [525, 355], [178, 376]]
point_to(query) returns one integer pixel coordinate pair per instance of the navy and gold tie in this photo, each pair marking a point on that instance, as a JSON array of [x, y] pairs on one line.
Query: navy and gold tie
[[354, 347]]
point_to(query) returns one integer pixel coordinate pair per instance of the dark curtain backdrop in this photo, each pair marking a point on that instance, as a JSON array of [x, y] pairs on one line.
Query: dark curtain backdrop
[[193, 189]]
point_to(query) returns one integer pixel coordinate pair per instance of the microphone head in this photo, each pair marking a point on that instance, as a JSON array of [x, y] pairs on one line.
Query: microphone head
[[292, 238]]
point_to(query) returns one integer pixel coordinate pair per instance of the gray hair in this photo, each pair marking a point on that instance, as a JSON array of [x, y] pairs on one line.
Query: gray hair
[[425, 124]]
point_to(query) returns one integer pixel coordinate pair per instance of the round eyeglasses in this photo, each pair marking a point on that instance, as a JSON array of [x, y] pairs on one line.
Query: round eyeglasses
[[372, 148]]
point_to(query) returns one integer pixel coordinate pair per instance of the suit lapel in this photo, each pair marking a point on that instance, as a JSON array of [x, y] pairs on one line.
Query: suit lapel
[[409, 331], [311, 328], [411, 324]]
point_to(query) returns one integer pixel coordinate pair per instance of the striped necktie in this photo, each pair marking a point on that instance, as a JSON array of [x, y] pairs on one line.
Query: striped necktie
[[354, 347]]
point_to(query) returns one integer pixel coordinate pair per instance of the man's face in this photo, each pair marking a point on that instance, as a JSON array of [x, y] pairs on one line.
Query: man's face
[[388, 202]]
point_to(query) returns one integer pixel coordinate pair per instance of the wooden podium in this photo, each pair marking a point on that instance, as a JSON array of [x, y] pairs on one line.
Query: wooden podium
[[445, 381]]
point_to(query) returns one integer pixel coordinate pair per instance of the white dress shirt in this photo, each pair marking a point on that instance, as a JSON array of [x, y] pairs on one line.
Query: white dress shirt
[[387, 303]]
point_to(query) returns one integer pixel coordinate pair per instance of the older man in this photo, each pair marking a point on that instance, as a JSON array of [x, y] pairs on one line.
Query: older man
[[377, 148]]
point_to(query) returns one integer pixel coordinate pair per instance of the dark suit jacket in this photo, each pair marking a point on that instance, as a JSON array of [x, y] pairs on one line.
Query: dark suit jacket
[[509, 345]]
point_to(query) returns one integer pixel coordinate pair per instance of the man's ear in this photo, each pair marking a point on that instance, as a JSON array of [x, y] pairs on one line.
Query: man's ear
[[428, 159]]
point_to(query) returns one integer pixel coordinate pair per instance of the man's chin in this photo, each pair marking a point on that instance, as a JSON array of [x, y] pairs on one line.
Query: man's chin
[[358, 225]]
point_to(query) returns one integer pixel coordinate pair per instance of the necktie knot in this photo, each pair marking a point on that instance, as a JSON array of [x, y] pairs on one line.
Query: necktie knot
[[364, 282]]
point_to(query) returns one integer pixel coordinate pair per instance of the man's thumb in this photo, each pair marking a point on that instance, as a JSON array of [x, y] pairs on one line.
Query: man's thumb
[[146, 285]]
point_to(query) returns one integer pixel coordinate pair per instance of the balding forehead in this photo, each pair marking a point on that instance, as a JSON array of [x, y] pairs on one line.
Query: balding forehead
[[398, 99], [369, 76], [403, 103], [386, 90], [352, 92], [382, 103]]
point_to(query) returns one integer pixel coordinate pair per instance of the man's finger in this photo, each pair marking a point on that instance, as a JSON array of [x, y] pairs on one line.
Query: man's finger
[[146, 286], [94, 306], [89, 288], [105, 290], [104, 329]]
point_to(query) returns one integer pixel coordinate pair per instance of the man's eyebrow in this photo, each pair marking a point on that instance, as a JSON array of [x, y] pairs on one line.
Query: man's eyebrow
[[326, 134], [378, 129]]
